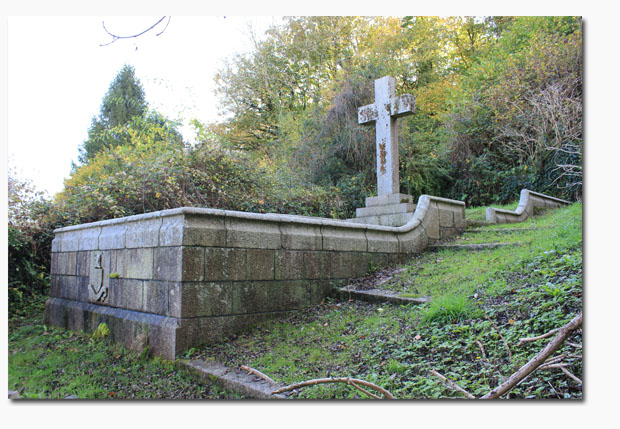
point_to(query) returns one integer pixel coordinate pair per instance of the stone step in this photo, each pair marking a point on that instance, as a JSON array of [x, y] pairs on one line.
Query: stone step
[[479, 246], [398, 219], [382, 200], [477, 223], [379, 296], [506, 230], [385, 209], [232, 379]]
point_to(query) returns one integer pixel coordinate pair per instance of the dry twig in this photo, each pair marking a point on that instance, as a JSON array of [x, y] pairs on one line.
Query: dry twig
[[540, 337], [258, 374], [347, 380], [451, 384], [571, 375], [537, 360]]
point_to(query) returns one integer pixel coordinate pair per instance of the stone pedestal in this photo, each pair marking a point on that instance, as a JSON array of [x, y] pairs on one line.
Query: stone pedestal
[[386, 210]]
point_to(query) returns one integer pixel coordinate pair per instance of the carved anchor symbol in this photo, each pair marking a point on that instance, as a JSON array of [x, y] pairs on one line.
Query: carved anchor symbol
[[100, 292]]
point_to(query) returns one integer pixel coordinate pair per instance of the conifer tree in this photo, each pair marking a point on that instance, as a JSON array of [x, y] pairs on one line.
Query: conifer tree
[[124, 101]]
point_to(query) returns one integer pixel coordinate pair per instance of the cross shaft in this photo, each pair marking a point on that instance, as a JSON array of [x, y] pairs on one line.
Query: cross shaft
[[384, 112]]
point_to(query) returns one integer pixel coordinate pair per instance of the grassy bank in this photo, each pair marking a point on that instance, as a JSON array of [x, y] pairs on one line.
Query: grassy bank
[[50, 363], [483, 302]]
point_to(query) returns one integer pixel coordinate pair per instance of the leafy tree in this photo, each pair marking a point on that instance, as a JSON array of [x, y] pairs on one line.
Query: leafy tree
[[124, 101], [29, 237]]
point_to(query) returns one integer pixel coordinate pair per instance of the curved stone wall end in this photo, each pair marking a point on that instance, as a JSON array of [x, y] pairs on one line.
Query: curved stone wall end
[[528, 202]]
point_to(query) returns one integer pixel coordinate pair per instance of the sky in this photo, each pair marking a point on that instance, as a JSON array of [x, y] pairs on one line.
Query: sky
[[58, 73]]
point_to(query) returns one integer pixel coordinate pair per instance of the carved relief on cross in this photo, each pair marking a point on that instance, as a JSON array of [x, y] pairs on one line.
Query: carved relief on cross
[[384, 112]]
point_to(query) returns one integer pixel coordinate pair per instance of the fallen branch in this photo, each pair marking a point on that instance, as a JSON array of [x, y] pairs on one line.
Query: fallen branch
[[540, 337], [361, 389], [553, 365], [537, 360], [574, 377], [258, 374], [452, 384], [347, 380]]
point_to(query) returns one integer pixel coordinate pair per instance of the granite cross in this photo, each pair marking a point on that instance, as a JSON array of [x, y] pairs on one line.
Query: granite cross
[[383, 112]]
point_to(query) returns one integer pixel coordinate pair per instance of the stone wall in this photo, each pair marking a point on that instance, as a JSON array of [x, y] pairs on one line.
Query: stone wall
[[174, 279], [529, 203]]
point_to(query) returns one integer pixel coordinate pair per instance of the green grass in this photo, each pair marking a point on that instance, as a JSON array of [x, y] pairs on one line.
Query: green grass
[[452, 272], [51, 363]]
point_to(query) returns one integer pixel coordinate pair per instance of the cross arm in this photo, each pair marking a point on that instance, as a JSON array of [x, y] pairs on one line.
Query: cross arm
[[367, 114], [402, 106]]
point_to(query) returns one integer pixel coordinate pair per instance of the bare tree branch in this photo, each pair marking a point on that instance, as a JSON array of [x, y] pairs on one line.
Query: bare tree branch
[[451, 384], [567, 372], [347, 380], [117, 37], [540, 337], [258, 374], [537, 360]]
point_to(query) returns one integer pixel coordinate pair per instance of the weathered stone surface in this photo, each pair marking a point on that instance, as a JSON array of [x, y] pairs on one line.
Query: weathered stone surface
[[393, 220], [126, 293], [155, 297], [298, 236], [430, 222], [112, 236], [171, 230], [413, 241], [260, 264], [205, 230], [89, 239], [252, 233], [138, 263], [231, 379], [316, 265], [529, 202], [382, 241], [386, 108], [446, 217], [385, 209], [289, 264], [262, 297], [384, 200], [347, 265], [66, 287], [143, 233], [66, 263], [343, 239], [225, 264], [71, 241], [83, 263], [168, 264], [201, 299], [193, 264]]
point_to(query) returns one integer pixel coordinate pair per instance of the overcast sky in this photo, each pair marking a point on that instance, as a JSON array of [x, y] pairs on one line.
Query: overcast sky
[[58, 73]]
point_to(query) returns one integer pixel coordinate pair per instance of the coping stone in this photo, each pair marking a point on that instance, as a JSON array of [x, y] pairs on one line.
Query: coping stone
[[252, 233], [342, 239]]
